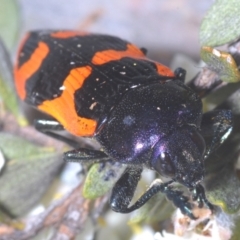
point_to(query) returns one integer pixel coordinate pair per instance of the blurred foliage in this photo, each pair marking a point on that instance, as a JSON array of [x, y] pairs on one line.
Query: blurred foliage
[[27, 174], [157, 209], [9, 22], [221, 24], [224, 190], [8, 95]]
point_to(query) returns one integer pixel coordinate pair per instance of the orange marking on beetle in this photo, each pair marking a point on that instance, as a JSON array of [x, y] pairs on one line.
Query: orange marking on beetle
[[23, 73], [163, 70], [133, 52], [68, 34], [113, 55], [63, 109]]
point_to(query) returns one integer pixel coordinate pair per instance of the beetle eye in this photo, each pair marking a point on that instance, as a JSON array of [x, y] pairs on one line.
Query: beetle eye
[[198, 140], [163, 164]]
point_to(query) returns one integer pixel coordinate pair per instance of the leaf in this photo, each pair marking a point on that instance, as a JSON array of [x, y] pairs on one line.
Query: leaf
[[222, 63], [27, 174], [7, 88], [101, 178], [9, 22], [221, 24]]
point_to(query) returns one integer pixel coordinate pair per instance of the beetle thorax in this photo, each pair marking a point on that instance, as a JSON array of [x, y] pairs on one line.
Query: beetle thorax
[[145, 115]]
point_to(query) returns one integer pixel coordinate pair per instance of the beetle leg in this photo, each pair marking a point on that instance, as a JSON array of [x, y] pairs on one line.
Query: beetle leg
[[84, 154], [216, 127], [47, 126], [125, 187], [198, 194], [44, 125], [180, 74], [123, 191], [180, 201]]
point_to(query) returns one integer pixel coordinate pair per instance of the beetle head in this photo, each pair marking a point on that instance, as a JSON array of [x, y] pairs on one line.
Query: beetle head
[[180, 156]]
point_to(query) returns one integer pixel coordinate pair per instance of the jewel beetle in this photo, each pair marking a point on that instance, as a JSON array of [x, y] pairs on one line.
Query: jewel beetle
[[141, 113]]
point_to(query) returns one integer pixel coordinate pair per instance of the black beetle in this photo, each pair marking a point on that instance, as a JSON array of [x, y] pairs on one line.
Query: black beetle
[[141, 113]]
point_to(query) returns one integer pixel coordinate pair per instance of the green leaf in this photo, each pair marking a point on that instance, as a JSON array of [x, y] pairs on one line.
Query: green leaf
[[222, 63], [101, 179], [221, 24], [9, 22], [27, 174], [7, 88]]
